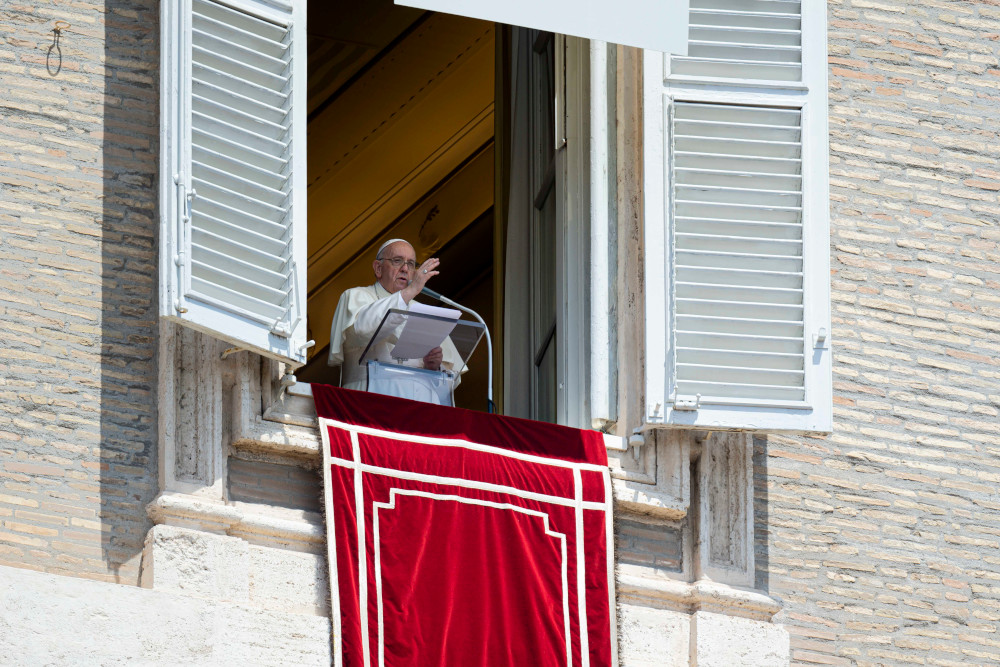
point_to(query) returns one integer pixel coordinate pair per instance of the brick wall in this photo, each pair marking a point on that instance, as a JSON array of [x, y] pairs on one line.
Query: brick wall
[[78, 142], [883, 539]]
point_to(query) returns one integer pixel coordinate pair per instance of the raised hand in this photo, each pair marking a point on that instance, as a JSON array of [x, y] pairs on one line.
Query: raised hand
[[421, 275]]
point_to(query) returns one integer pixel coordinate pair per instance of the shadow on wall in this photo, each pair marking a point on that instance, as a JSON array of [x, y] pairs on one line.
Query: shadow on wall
[[761, 524], [129, 222]]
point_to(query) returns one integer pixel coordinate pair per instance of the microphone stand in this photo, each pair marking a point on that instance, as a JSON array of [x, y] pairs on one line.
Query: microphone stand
[[491, 408]]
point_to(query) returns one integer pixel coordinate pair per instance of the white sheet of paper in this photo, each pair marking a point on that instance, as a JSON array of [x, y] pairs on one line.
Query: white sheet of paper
[[421, 335]]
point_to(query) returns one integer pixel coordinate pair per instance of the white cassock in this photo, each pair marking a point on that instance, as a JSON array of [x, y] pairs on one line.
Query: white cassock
[[358, 315]]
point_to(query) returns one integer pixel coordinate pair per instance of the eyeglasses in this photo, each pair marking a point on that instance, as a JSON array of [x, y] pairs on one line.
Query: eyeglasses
[[399, 261]]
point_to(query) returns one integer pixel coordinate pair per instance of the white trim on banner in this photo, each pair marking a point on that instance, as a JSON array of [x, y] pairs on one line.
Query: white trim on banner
[[564, 568], [359, 509], [458, 442]]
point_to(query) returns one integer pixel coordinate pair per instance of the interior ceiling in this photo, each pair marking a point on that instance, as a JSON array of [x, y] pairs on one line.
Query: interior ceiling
[[345, 36]]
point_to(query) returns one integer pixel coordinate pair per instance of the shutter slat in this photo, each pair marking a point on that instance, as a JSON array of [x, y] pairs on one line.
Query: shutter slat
[[743, 196], [744, 359], [244, 235], [728, 128], [235, 51], [723, 259], [725, 275], [737, 147], [207, 238], [238, 167], [238, 200], [238, 69], [739, 325], [242, 20], [223, 126], [747, 72], [720, 18], [706, 112], [735, 390], [742, 310], [740, 180], [750, 359], [743, 35], [237, 283], [742, 228], [739, 341], [229, 32], [270, 163], [747, 212], [234, 100], [744, 163], [789, 295], [237, 267], [239, 118], [772, 55], [235, 183], [238, 301], [711, 242], [740, 375], [228, 81], [237, 218], [771, 7]]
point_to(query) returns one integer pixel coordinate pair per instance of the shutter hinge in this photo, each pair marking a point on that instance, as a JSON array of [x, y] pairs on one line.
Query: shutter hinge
[[184, 203], [687, 403]]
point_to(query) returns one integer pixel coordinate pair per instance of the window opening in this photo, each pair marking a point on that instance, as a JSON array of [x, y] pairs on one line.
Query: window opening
[[401, 144]]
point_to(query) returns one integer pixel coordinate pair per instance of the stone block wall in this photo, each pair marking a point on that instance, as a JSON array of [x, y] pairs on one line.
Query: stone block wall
[[78, 216], [883, 540]]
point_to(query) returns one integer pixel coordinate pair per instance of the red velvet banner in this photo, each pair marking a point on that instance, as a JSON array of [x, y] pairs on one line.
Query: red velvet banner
[[461, 538]]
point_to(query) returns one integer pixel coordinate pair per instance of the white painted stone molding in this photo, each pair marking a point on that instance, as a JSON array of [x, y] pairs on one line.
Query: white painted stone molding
[[694, 597], [190, 392], [723, 523], [654, 478], [296, 532]]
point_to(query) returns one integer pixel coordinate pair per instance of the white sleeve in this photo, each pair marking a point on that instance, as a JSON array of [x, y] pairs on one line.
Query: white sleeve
[[357, 316], [368, 317]]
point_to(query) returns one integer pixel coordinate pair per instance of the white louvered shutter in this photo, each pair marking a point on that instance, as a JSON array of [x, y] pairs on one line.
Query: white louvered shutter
[[737, 229], [233, 189]]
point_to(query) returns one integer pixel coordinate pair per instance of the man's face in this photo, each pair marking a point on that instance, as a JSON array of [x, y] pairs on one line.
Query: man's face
[[395, 270]]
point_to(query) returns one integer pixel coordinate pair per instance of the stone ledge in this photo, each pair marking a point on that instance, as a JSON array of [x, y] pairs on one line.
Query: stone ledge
[[279, 438], [214, 517], [698, 596]]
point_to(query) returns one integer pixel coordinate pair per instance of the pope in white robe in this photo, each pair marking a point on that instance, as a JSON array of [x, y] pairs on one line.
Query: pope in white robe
[[398, 280]]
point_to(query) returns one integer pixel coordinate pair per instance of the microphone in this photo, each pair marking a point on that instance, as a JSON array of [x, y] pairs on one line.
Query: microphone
[[427, 291], [489, 342]]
